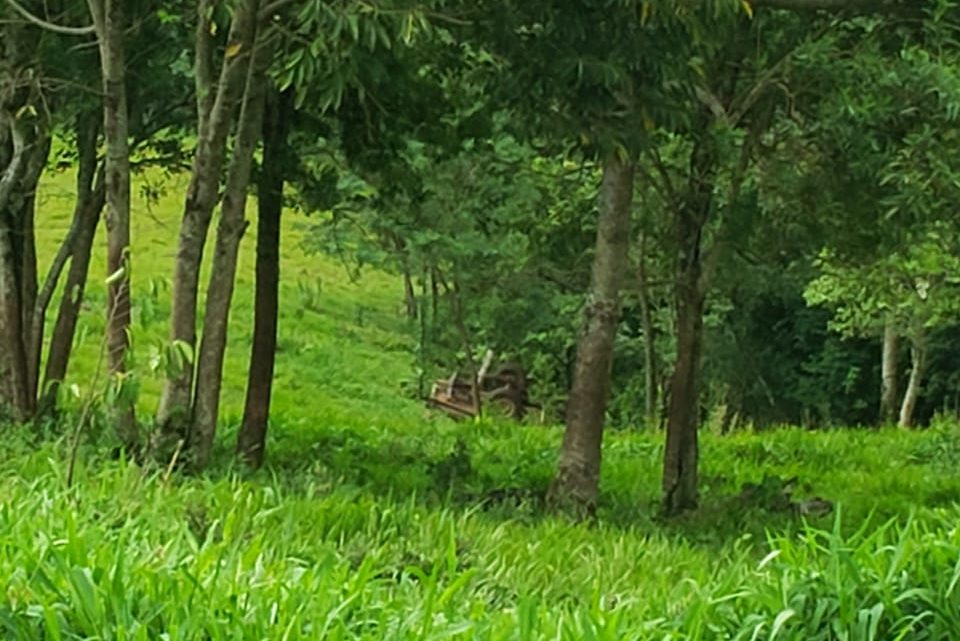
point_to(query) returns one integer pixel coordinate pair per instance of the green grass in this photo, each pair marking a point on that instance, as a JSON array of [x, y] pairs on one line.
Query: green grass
[[339, 341], [373, 534], [375, 519]]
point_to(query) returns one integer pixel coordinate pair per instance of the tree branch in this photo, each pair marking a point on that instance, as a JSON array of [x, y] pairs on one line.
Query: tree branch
[[666, 188], [49, 26], [768, 77]]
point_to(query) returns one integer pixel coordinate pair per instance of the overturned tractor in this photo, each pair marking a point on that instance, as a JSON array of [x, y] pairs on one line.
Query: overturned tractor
[[501, 393]]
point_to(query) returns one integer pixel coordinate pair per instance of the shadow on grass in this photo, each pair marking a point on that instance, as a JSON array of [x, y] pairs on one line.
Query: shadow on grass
[[502, 484], [501, 473]]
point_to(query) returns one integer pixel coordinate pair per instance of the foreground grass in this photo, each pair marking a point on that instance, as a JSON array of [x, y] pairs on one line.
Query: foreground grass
[[333, 549], [375, 519]]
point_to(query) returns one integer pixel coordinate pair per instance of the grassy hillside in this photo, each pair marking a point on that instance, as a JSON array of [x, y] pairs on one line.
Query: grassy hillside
[[375, 519], [343, 347]]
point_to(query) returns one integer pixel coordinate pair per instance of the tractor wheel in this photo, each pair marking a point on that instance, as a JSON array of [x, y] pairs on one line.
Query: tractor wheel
[[506, 404]]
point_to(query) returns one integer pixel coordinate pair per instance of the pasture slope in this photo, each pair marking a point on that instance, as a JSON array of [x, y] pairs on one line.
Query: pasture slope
[[377, 520]]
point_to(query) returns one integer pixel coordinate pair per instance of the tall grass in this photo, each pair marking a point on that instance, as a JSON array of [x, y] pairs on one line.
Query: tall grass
[[375, 519], [129, 555]]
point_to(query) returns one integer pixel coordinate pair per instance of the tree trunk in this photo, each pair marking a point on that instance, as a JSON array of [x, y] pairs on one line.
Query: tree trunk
[[434, 295], [232, 226], [36, 161], [26, 256], [680, 479], [174, 411], [204, 70], [40, 151], [918, 358], [409, 293], [108, 18], [578, 474], [86, 215], [14, 386], [423, 351], [649, 341], [888, 392], [252, 438], [681, 455]]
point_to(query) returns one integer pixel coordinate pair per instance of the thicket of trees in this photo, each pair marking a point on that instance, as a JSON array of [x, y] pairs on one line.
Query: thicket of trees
[[671, 212]]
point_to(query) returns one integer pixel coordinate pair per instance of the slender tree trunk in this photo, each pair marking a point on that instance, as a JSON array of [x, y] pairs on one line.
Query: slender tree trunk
[[108, 17], [889, 392], [215, 120], [31, 297], [918, 362], [252, 438], [681, 456], [14, 386], [434, 295], [680, 477], [578, 474], [89, 204], [232, 226], [459, 317], [204, 70], [40, 151], [409, 293], [64, 330], [26, 252], [649, 340], [423, 351]]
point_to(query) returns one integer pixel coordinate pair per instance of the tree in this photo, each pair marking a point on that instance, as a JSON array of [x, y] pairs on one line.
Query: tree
[[606, 91], [351, 49], [251, 439], [110, 24], [909, 292], [232, 226], [54, 69], [216, 100], [91, 196], [895, 191], [578, 475], [13, 367], [889, 361], [727, 103], [697, 169], [24, 146], [189, 406]]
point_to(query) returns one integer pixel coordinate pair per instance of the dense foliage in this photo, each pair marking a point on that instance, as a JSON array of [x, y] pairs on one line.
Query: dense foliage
[[690, 222]]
